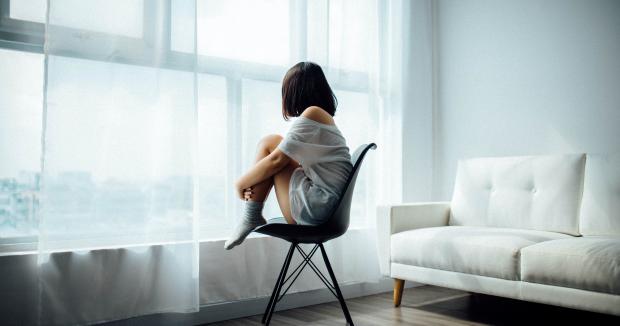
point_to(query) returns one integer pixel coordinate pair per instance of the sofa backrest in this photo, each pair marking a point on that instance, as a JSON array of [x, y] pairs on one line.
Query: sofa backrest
[[529, 192], [600, 210]]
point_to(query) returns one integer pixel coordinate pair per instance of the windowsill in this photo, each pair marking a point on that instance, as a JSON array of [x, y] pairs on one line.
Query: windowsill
[[19, 249]]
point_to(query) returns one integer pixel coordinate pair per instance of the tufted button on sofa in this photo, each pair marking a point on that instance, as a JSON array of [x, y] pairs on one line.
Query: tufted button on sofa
[[537, 228]]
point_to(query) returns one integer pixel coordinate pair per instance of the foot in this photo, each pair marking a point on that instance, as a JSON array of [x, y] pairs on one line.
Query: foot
[[242, 231]]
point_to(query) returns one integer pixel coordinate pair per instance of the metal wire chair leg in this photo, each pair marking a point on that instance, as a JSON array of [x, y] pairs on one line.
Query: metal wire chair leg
[[275, 287], [335, 283], [279, 285]]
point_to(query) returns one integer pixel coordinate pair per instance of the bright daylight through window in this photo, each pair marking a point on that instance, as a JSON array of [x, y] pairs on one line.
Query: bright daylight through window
[[241, 61]]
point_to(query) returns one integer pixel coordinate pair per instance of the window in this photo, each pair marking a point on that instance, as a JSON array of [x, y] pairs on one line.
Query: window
[[350, 53], [95, 15], [245, 35], [215, 178], [29, 10], [226, 32], [128, 156], [242, 59], [21, 100]]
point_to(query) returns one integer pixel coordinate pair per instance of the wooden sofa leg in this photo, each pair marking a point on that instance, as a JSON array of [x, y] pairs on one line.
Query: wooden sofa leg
[[398, 291]]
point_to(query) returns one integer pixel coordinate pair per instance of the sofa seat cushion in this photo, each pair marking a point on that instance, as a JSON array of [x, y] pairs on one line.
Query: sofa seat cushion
[[485, 251], [586, 263]]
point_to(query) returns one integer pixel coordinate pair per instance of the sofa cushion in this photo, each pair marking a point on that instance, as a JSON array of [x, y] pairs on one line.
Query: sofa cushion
[[600, 210], [586, 263], [531, 192], [492, 252]]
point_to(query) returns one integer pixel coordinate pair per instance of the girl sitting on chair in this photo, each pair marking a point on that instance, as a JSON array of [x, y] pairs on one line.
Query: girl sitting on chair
[[308, 167]]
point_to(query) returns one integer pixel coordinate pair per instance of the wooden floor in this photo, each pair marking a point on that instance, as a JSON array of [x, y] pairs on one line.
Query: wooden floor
[[430, 305]]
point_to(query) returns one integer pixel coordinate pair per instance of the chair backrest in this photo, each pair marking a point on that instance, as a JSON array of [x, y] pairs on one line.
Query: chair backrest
[[338, 222]]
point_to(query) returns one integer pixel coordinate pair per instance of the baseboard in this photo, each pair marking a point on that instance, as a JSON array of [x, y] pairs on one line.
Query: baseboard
[[243, 308]]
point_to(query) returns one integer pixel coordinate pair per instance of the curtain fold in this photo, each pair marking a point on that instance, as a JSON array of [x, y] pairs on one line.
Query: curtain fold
[[117, 230]]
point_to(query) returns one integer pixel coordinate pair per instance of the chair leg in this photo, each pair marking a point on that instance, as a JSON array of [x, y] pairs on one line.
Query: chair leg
[[398, 291], [277, 285], [274, 300], [345, 310]]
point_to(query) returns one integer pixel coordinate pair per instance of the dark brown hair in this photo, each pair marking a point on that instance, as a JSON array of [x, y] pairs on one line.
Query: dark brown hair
[[305, 85]]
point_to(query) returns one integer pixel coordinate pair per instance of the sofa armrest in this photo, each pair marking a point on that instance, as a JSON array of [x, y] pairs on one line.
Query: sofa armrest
[[392, 219]]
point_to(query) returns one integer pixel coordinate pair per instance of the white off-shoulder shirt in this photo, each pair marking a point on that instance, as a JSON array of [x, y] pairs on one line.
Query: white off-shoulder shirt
[[316, 186]]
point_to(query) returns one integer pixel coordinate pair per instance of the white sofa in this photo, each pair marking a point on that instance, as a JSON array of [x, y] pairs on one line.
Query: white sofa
[[540, 228]]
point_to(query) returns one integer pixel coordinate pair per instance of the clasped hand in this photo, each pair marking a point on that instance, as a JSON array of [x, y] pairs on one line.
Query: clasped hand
[[245, 194]]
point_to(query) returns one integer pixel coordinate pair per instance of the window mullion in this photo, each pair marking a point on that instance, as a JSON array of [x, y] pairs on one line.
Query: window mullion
[[234, 146], [156, 29], [317, 34], [298, 22]]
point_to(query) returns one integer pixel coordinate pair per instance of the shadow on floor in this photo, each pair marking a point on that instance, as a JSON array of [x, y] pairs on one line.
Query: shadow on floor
[[490, 310]]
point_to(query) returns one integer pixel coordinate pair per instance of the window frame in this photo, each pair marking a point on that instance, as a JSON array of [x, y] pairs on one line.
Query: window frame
[[29, 36]]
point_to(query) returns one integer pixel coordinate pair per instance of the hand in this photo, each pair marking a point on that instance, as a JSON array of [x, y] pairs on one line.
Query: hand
[[247, 193]]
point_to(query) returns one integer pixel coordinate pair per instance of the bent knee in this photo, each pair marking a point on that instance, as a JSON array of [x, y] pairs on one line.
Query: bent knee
[[270, 142]]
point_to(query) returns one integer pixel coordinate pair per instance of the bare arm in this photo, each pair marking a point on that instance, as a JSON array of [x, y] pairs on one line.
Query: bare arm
[[262, 170]]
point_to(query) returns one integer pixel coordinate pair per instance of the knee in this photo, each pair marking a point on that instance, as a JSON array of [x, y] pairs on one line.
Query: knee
[[270, 142]]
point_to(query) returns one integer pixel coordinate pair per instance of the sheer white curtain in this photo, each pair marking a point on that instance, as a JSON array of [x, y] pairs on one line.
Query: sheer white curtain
[[153, 108], [118, 220]]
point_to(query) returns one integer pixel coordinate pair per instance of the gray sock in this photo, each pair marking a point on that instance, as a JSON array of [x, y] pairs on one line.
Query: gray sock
[[252, 217]]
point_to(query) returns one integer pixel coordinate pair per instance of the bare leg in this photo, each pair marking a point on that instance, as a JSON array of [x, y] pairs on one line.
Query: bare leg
[[281, 180], [253, 208], [265, 146]]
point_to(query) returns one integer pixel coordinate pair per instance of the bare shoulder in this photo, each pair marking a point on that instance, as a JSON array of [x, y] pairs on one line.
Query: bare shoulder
[[319, 115]]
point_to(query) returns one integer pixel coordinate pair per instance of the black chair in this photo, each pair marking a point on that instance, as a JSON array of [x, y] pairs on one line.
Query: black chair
[[336, 226]]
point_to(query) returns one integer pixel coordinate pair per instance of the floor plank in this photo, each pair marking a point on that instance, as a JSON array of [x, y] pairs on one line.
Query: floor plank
[[431, 305]]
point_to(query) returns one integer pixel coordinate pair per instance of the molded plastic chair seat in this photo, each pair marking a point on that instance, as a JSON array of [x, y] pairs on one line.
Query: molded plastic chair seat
[[296, 233]]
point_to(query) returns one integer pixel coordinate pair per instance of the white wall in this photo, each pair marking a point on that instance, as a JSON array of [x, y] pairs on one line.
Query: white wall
[[417, 96], [525, 77]]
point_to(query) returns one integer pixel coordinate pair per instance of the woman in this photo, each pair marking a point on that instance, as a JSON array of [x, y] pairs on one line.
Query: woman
[[308, 167]]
